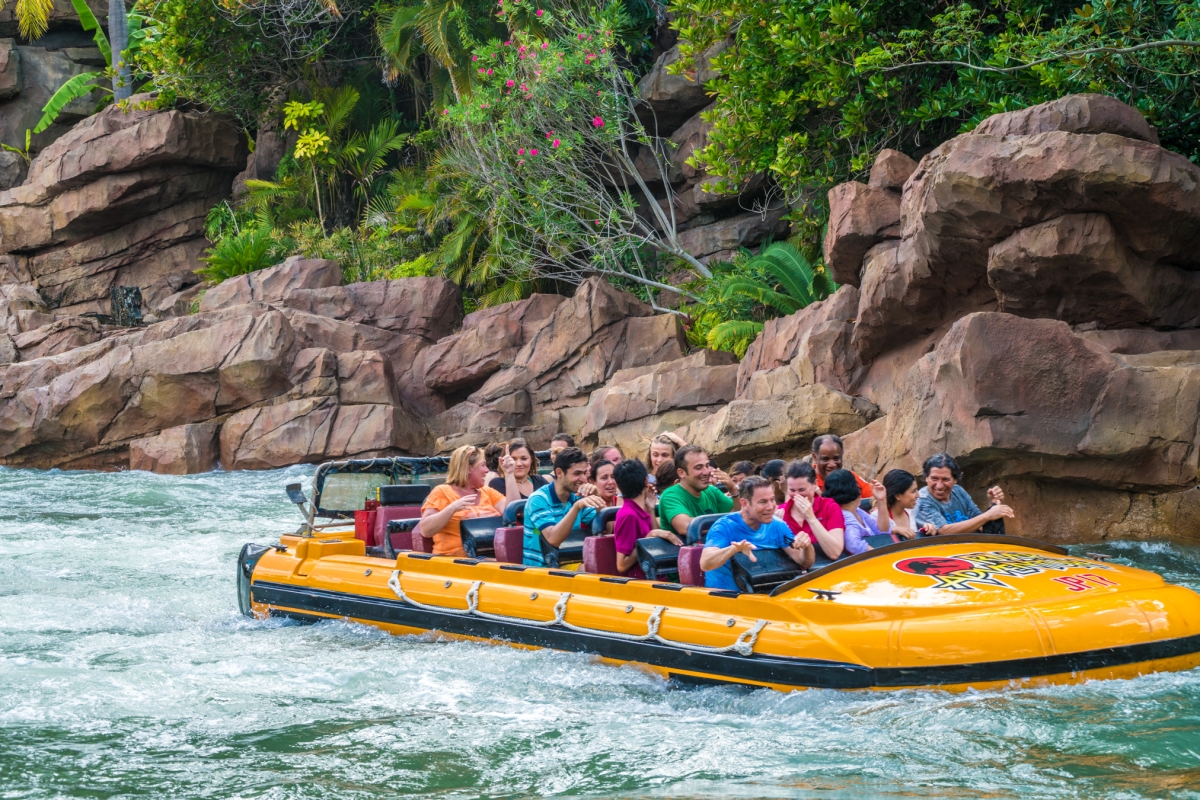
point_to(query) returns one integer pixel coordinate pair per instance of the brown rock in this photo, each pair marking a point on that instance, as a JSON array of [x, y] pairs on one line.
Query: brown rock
[[488, 342], [10, 72], [891, 169], [363, 431], [56, 337], [295, 432], [669, 100], [273, 284], [1140, 341], [1077, 113], [705, 378], [731, 233], [1075, 269], [184, 450], [8, 350], [314, 373], [860, 217], [365, 376], [814, 343], [427, 307], [12, 169], [778, 426], [14, 269]]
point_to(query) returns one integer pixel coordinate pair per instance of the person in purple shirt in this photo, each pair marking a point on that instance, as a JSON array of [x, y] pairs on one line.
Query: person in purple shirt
[[842, 487], [634, 520]]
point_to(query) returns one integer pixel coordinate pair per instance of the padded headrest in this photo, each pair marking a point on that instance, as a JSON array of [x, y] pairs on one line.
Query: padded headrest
[[602, 518], [697, 529], [399, 525], [514, 512], [772, 568], [404, 494], [481, 526]]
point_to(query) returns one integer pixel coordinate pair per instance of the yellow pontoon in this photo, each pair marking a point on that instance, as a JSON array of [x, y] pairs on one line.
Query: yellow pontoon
[[948, 611]]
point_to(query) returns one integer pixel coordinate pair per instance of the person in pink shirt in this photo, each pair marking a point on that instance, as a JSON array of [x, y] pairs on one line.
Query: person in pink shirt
[[805, 510], [634, 520]]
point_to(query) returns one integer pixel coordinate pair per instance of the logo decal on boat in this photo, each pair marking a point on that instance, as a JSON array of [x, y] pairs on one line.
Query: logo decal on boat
[[967, 572]]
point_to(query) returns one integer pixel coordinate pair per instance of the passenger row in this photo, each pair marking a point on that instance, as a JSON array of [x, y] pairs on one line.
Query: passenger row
[[615, 516]]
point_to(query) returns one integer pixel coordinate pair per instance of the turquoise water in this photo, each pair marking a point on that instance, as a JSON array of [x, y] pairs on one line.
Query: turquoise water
[[126, 671]]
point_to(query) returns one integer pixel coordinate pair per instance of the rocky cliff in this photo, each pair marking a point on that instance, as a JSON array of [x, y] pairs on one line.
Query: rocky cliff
[[1025, 298]]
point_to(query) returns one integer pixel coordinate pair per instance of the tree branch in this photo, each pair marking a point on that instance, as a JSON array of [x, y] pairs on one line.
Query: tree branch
[[1059, 57]]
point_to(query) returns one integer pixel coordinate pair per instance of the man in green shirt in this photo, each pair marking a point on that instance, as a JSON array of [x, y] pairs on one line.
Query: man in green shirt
[[695, 494]]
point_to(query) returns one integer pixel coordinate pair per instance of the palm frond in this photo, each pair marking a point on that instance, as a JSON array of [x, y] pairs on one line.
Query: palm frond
[[736, 335], [760, 293]]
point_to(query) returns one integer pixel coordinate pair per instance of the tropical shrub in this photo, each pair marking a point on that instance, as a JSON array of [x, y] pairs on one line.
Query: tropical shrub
[[240, 253], [777, 281], [811, 90]]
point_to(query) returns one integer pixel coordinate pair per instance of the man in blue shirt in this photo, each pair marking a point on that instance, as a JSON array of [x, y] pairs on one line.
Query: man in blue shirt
[[752, 528], [555, 509], [946, 506]]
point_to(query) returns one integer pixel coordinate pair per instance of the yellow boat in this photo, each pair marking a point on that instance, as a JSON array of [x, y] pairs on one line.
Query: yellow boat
[[950, 611]]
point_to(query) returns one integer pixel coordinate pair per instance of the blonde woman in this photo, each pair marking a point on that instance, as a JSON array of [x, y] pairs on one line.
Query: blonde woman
[[662, 449], [462, 496]]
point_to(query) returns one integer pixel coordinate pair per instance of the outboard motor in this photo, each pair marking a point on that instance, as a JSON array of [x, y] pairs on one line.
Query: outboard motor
[[772, 568]]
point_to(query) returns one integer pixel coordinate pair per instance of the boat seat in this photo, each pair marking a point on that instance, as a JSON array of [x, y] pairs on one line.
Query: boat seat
[[404, 494], [569, 552], [604, 517], [600, 555], [690, 573], [385, 514], [697, 529], [772, 568], [658, 558], [509, 544], [881, 540], [364, 525], [514, 513], [400, 534], [421, 544], [479, 536]]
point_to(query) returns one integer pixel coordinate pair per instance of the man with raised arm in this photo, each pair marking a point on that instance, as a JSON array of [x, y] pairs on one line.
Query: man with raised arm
[[947, 507], [554, 510], [754, 527], [695, 494]]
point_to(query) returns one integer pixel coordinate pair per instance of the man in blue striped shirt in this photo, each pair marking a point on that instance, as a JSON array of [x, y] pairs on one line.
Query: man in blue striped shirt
[[554, 510]]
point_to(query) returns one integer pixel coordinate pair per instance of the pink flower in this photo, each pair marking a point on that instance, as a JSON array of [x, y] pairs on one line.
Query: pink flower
[[524, 88], [599, 94], [549, 134], [445, 111], [544, 45], [533, 152], [489, 72], [482, 70], [554, 143], [474, 58], [508, 43], [510, 83], [521, 49], [520, 161], [538, 13], [598, 122], [581, 37], [597, 222], [521, 152]]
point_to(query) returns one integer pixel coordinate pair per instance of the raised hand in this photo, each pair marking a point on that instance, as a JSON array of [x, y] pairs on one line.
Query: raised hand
[[721, 477], [996, 495], [879, 493], [802, 508], [508, 464], [745, 547]]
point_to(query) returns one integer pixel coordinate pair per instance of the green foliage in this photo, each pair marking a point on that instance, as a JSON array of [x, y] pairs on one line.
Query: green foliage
[[24, 154], [79, 86], [89, 22], [240, 253], [777, 281], [33, 17], [811, 90]]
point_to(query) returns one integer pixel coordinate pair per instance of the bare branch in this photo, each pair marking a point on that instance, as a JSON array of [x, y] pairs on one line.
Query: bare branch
[[1057, 57]]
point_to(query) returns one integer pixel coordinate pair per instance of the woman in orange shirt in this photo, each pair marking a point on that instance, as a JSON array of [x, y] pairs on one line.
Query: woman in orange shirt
[[463, 496]]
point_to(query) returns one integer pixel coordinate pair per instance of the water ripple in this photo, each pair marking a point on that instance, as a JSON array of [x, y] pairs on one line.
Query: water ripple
[[126, 671]]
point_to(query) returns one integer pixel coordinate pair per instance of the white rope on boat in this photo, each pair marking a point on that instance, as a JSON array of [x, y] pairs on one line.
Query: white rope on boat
[[744, 644]]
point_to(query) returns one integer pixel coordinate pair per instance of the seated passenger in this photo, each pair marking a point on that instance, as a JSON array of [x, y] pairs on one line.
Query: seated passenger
[[662, 449], [827, 457], [462, 496], [773, 471], [607, 453], [606, 487], [553, 511], [491, 456], [560, 442], [742, 470], [665, 476], [754, 527], [634, 519], [901, 488], [841, 486], [947, 506], [808, 512], [694, 495], [522, 480]]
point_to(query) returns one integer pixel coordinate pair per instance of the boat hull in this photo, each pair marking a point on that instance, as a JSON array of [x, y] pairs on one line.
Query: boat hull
[[313, 581]]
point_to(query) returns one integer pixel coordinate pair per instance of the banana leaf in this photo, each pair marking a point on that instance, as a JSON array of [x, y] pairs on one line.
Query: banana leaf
[[79, 86], [89, 22]]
